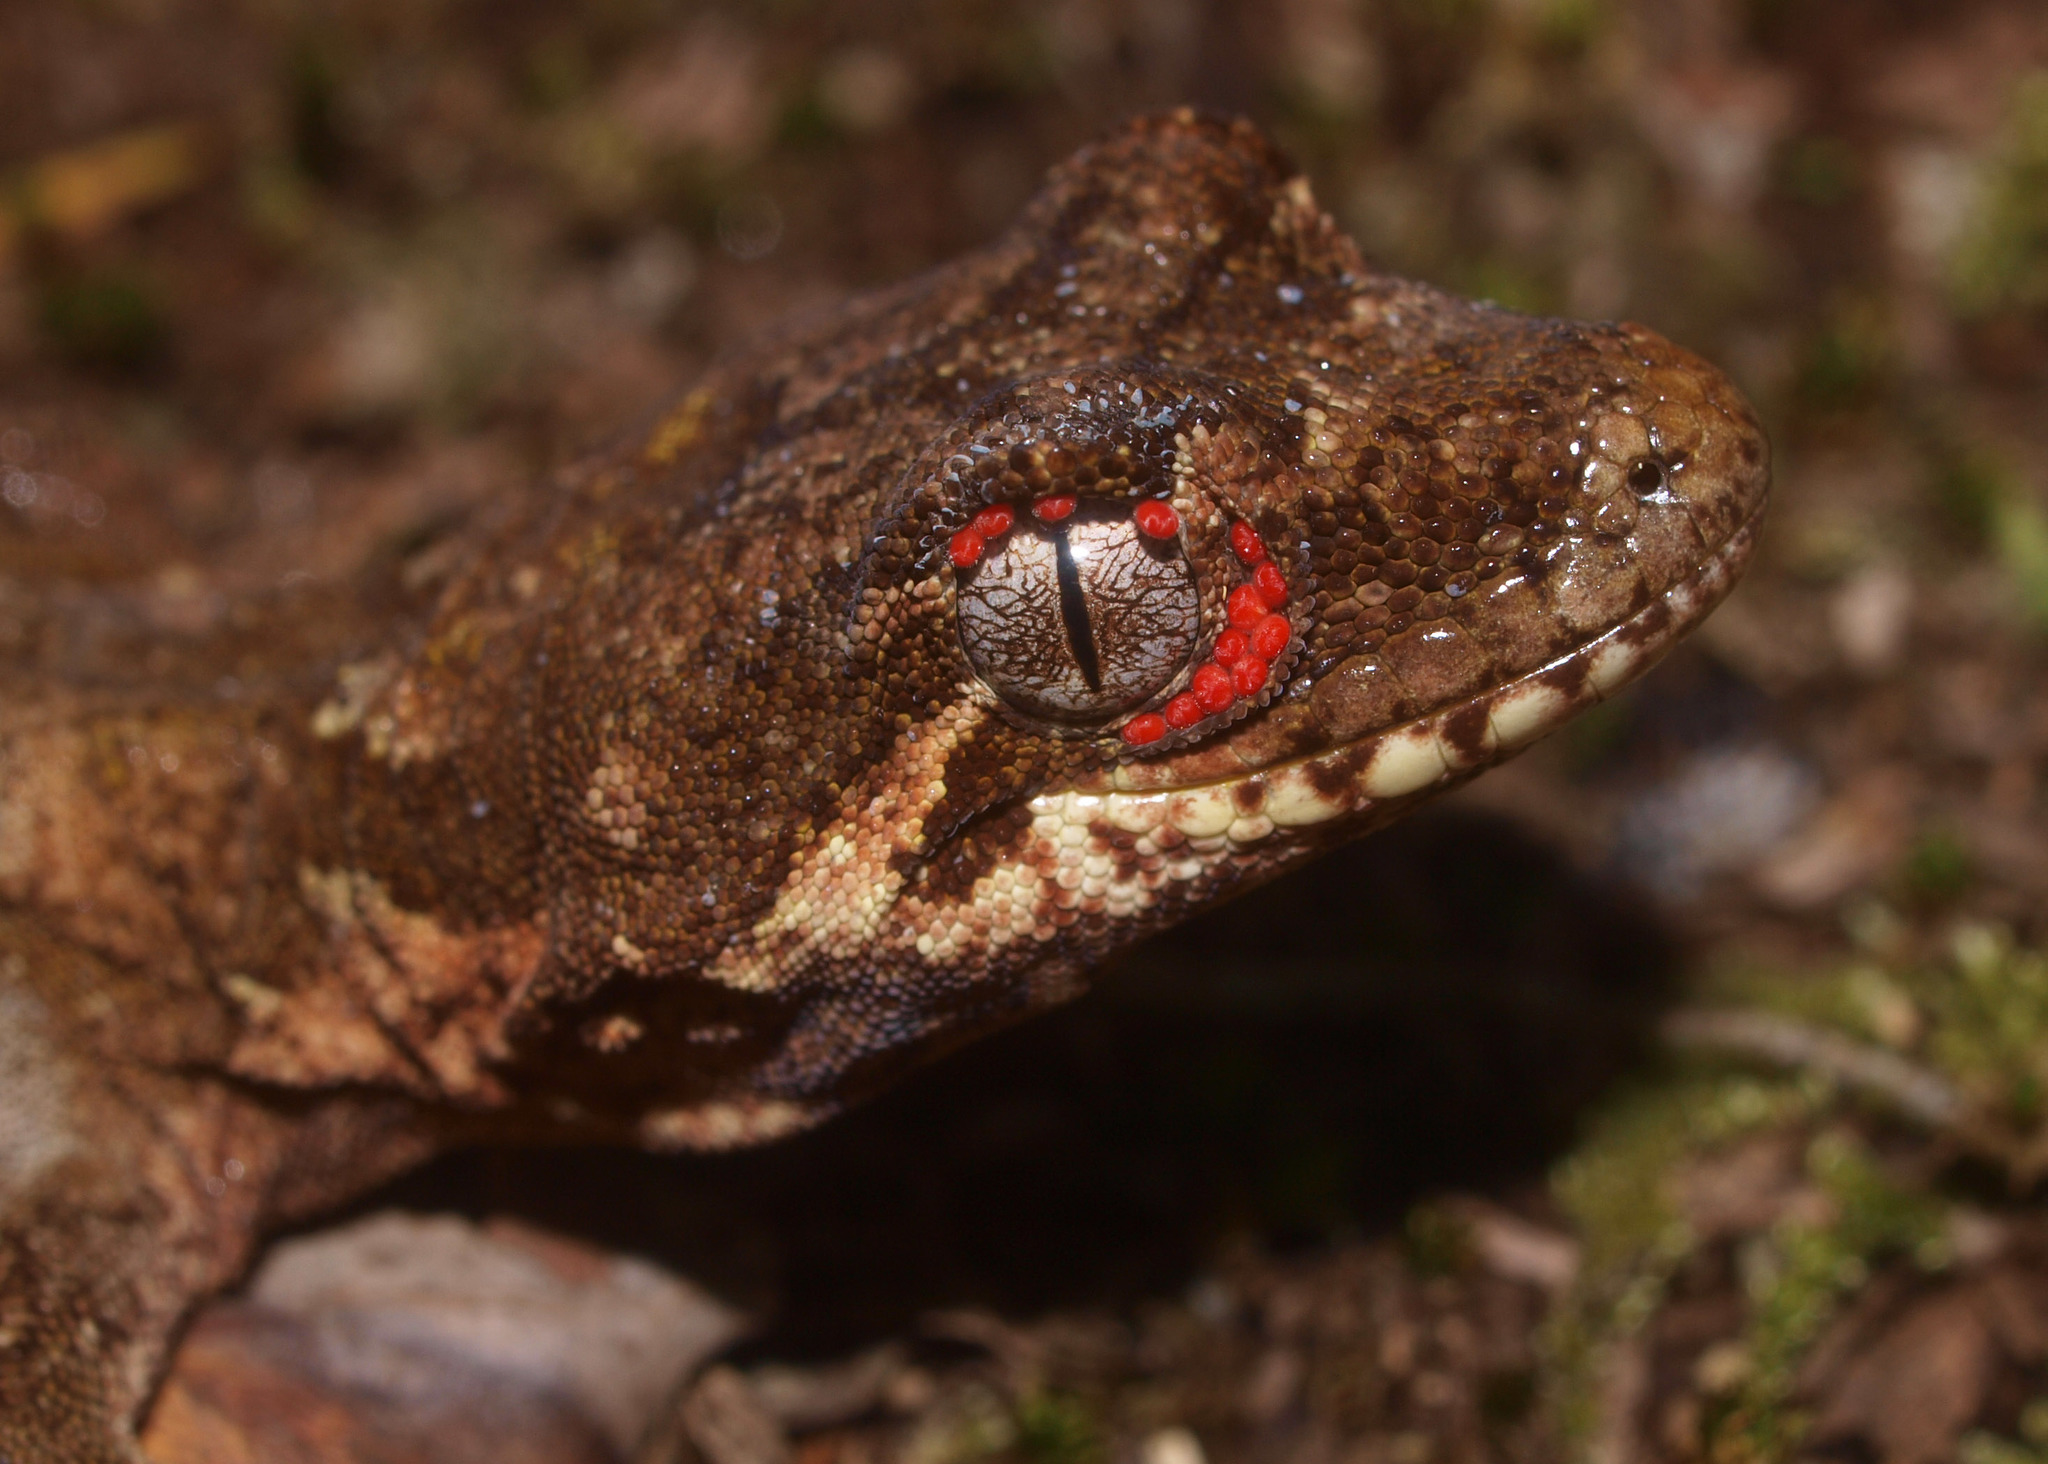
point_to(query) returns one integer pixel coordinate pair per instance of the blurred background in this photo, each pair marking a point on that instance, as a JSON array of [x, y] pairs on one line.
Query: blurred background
[[1684, 1095]]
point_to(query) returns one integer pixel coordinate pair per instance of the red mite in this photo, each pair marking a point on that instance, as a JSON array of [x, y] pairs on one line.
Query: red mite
[[994, 521], [1146, 728], [966, 547], [1054, 507], [1184, 711], [1156, 519], [1241, 661], [1270, 637], [1210, 686], [1246, 607]]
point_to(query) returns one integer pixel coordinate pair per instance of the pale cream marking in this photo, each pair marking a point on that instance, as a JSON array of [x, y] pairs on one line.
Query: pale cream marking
[[724, 1124], [402, 720], [35, 1085], [68, 830], [1293, 801], [1526, 712], [1138, 815], [1460, 758], [401, 997], [356, 687], [1248, 829], [1613, 666], [1406, 761], [1696, 596], [1199, 812], [1620, 437], [615, 800], [1124, 777], [629, 954], [840, 898]]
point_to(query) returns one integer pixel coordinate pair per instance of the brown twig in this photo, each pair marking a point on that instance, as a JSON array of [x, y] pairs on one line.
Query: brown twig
[[1919, 1094]]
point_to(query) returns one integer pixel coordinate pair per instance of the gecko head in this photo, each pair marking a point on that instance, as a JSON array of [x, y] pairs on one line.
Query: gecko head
[[1186, 545], [1329, 592], [1187, 627], [1330, 539]]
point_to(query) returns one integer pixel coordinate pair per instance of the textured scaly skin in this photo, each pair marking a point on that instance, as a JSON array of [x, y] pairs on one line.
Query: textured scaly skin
[[677, 813]]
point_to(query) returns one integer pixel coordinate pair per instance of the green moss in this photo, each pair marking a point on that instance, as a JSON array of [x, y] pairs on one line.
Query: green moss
[[1617, 1189], [963, 1428], [1058, 1428], [2001, 262], [1567, 27], [1508, 281], [2019, 531], [1989, 1004], [2031, 1447], [1975, 1016], [1594, 738], [1437, 1241], [1849, 361], [1799, 1273], [313, 104], [554, 73], [107, 320], [1861, 998], [1938, 869], [1820, 172], [1989, 508], [1967, 487]]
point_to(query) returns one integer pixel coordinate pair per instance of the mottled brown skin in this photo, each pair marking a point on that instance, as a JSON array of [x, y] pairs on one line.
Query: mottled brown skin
[[680, 814]]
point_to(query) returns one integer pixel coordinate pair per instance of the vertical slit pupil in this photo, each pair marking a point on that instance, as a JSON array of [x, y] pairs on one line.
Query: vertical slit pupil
[[1074, 611]]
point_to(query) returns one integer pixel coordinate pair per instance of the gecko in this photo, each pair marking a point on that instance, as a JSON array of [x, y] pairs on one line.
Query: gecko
[[919, 657]]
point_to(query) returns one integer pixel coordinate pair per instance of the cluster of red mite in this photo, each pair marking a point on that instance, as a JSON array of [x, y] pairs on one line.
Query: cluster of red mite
[[1243, 655]]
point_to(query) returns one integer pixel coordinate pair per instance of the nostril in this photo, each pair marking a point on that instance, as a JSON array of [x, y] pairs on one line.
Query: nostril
[[1647, 475]]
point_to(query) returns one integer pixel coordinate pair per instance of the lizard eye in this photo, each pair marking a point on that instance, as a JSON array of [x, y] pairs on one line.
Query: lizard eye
[[1079, 612]]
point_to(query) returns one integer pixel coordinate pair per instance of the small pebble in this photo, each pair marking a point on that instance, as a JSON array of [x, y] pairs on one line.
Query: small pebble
[[1172, 1446]]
